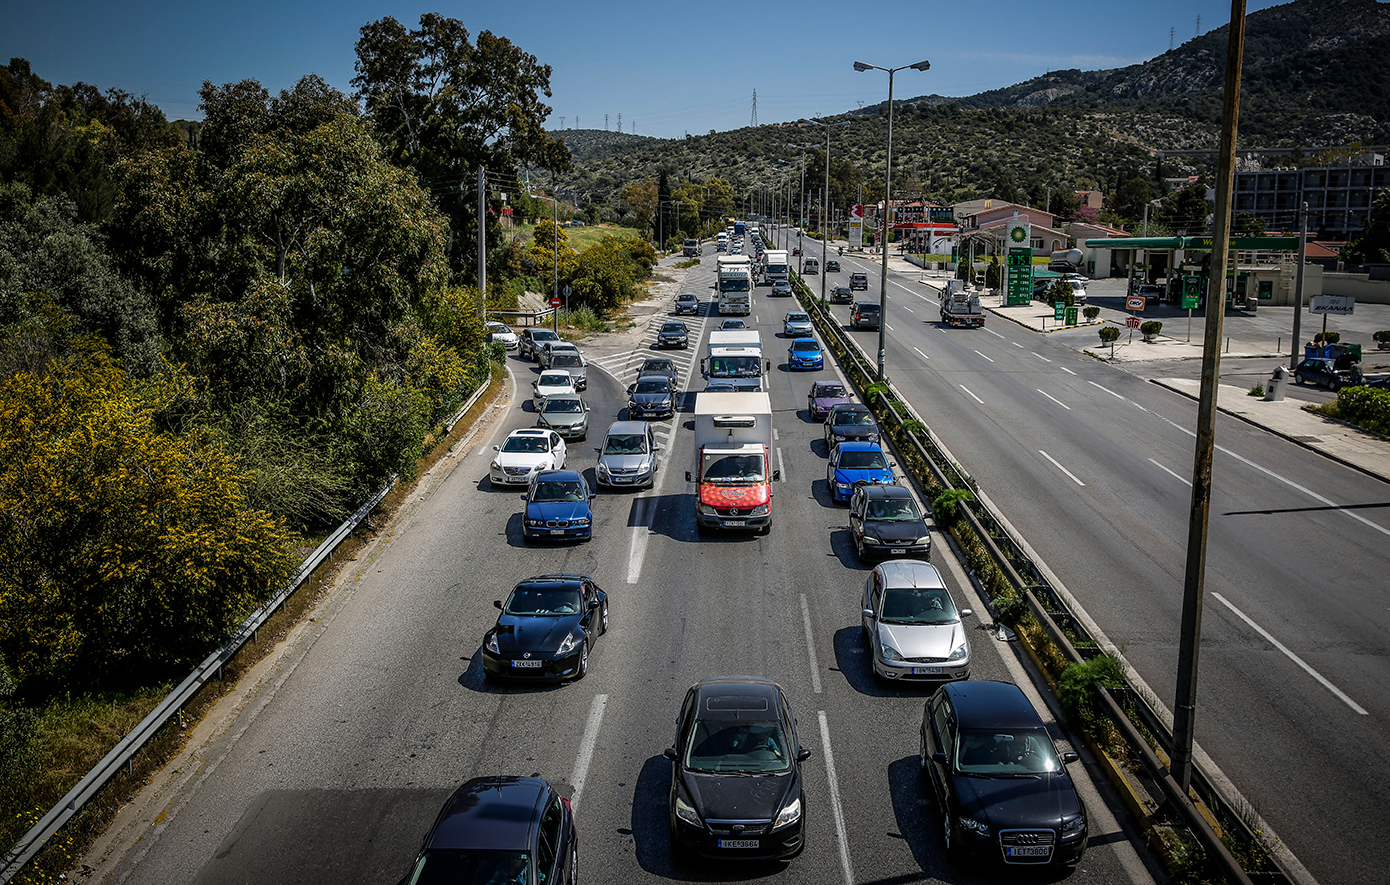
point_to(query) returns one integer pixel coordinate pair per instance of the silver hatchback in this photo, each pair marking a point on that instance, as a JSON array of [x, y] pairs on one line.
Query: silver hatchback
[[628, 456], [912, 626]]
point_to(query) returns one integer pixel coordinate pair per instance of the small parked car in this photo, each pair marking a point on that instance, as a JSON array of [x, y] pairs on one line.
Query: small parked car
[[797, 324], [841, 295], [673, 333], [1324, 373], [1002, 787], [558, 508], [849, 421], [500, 828], [501, 333], [824, 396], [736, 786], [1153, 295], [865, 315], [531, 339], [885, 522], [628, 456], [851, 463], [566, 414], [547, 628], [832, 266], [805, 353], [687, 303]]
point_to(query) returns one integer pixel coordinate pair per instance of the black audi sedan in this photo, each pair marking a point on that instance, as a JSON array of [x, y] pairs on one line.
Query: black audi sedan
[[1003, 790], [736, 789], [516, 830], [547, 628]]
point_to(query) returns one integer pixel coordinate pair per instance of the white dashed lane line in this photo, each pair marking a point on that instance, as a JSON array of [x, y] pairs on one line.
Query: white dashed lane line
[[1053, 398], [972, 395], [922, 355], [981, 354], [1186, 482], [1058, 465]]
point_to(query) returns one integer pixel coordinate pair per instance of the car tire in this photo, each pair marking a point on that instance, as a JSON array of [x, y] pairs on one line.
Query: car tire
[[859, 549], [1299, 379]]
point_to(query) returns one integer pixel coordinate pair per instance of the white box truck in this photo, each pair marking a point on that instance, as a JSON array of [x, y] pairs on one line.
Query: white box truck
[[776, 266], [733, 461], [735, 283], [736, 356]]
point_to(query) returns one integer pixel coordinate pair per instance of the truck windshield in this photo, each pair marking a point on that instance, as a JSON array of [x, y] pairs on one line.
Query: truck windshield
[[776, 268], [735, 367], [732, 468], [734, 285]]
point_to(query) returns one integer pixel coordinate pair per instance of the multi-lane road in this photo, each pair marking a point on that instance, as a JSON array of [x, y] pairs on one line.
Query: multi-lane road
[[333, 762], [1092, 466]]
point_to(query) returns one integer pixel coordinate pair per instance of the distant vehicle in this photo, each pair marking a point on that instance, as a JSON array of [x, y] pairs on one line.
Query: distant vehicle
[[673, 334], [571, 362], [832, 266], [849, 421], [550, 383], [687, 303], [734, 277], [558, 508], [810, 267], [566, 414], [1078, 289], [499, 332], [546, 629], [865, 315], [524, 453], [690, 249], [855, 462], [805, 353], [885, 522], [500, 829], [781, 288], [546, 349], [729, 325], [736, 785], [719, 386], [824, 396], [628, 456], [776, 267], [961, 306], [651, 397], [911, 624], [531, 338], [1001, 785], [859, 281], [841, 295], [796, 324], [1323, 373], [1152, 294], [658, 365]]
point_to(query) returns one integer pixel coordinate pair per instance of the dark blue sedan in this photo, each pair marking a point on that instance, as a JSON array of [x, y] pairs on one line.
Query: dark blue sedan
[[805, 353], [856, 462], [547, 628], [558, 507]]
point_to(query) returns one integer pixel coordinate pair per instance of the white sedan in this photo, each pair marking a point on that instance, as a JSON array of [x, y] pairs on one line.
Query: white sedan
[[524, 453], [501, 333], [549, 384]]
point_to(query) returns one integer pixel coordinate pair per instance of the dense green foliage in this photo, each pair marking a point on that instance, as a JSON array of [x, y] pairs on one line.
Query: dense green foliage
[[1368, 407]]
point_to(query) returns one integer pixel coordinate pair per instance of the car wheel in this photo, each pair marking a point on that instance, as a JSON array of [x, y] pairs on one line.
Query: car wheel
[[603, 622], [1298, 377], [859, 548], [583, 663]]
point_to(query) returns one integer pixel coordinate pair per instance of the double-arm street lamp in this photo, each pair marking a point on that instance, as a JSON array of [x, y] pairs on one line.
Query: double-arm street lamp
[[887, 203]]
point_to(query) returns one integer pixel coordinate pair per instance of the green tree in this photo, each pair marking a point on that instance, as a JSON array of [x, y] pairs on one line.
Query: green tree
[[1187, 210], [1374, 242], [642, 197], [1129, 199]]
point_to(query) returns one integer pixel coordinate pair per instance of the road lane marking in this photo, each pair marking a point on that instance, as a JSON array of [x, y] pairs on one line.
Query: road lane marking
[[1109, 391], [637, 549], [1016, 344], [810, 645], [837, 811], [995, 334], [981, 354], [1068, 371], [890, 328], [781, 468], [1053, 398], [972, 395], [906, 308], [1040, 356], [1293, 657], [922, 355], [1060, 467], [1170, 473], [774, 433], [586, 746], [921, 296]]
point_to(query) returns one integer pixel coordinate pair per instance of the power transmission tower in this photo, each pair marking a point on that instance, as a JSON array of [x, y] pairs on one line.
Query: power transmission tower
[[1171, 31], [605, 122], [620, 121], [1199, 25], [753, 120], [576, 121], [562, 122], [634, 127]]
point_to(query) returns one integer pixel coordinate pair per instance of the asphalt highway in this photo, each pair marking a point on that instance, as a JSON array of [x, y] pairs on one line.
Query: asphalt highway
[[332, 764]]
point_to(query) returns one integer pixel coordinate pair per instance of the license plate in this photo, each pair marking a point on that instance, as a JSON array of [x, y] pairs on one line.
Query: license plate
[[738, 843], [622, 479], [925, 671], [528, 663], [1028, 851], [557, 531], [734, 522], [896, 550]]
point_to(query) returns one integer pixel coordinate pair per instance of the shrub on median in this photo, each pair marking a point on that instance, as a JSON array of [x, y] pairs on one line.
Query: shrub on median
[[1367, 407]]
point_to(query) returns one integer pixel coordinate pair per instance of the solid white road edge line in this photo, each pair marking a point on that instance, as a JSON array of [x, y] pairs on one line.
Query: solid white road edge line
[[1053, 398], [586, 746], [835, 808], [972, 395], [1060, 467], [1322, 680], [1170, 473], [810, 645]]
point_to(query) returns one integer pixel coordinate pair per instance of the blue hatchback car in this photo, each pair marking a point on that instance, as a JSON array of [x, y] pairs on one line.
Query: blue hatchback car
[[855, 462], [558, 508], [805, 353]]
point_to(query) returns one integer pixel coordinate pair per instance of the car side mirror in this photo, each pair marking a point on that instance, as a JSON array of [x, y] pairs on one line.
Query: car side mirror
[[670, 753], [593, 495], [776, 476], [938, 757], [965, 612], [802, 754], [523, 497], [497, 448], [1069, 758], [497, 603], [656, 448], [631, 388], [868, 613], [596, 448], [767, 364], [688, 477]]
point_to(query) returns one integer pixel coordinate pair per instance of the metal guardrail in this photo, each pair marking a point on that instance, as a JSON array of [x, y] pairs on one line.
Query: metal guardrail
[[124, 752], [1051, 612], [532, 317]]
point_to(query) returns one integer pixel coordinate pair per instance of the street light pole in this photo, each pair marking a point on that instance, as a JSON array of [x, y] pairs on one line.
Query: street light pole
[[887, 207]]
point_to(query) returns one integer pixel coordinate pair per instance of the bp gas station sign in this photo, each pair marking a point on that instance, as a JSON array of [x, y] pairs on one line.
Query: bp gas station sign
[[1019, 290]]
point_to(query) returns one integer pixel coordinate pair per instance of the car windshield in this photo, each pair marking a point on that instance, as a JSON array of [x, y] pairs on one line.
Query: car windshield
[[497, 328], [673, 327], [544, 335], [656, 367], [868, 308], [1014, 752], [892, 510], [570, 490], [448, 867], [805, 345], [736, 366], [652, 387], [543, 601], [917, 605], [857, 460], [732, 324], [830, 390], [686, 298], [732, 468], [625, 444], [528, 444], [562, 404], [748, 745], [555, 379], [854, 418], [798, 318], [567, 361]]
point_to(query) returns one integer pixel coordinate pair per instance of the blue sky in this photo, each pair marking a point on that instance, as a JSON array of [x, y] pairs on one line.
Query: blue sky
[[668, 67]]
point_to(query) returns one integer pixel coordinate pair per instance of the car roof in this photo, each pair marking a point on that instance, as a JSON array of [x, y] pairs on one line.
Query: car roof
[[736, 697], [985, 704], [885, 491], [628, 427], [796, 341], [534, 332], [851, 407], [662, 360], [665, 379], [909, 573], [559, 475], [530, 431], [490, 812]]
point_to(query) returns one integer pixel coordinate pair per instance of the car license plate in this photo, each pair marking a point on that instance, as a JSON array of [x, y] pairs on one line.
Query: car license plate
[[925, 671], [1028, 851], [622, 479], [738, 843], [735, 522], [896, 550], [528, 663], [557, 531]]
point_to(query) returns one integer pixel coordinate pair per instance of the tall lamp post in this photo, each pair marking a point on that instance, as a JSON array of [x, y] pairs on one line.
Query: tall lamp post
[[887, 204], [824, 204]]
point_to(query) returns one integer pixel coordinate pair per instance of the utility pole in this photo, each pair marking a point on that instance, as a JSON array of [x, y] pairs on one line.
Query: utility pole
[[482, 242], [1194, 578], [1298, 283]]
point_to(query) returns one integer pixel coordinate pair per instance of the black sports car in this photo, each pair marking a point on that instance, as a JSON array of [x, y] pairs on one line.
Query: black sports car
[[547, 628]]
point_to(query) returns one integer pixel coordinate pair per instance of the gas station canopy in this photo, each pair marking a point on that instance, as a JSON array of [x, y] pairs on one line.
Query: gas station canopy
[[1264, 244]]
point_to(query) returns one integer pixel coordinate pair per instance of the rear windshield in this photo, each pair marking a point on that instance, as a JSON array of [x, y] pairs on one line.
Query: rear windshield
[[868, 308], [567, 361]]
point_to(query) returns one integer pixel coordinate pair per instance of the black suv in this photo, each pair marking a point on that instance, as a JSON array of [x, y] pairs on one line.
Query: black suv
[[841, 295], [865, 315], [736, 789], [859, 281], [886, 522]]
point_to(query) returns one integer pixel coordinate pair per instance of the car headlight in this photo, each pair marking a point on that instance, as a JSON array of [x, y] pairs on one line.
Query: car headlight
[[974, 826], [583, 520], [602, 469], [925, 539], [790, 814], [959, 653], [665, 404], [761, 510], [1074, 826], [645, 467], [568, 645], [842, 486], [496, 466], [889, 652], [686, 812], [535, 522], [704, 510], [872, 542], [492, 644]]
